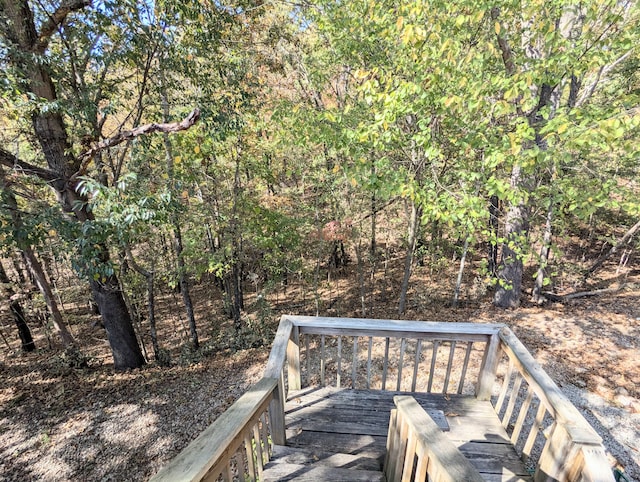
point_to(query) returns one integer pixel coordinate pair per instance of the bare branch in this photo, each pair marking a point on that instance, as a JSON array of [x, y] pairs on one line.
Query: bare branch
[[56, 19], [10, 160], [123, 136]]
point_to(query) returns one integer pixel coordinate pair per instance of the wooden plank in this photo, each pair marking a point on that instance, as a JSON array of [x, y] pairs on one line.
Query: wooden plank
[[275, 364], [373, 446], [315, 473], [302, 456], [504, 389], [339, 372], [432, 369], [293, 360], [452, 351], [465, 365], [354, 363], [443, 456], [513, 397], [425, 329], [534, 431], [522, 415], [210, 446], [276, 412], [416, 365], [488, 368], [369, 350], [385, 363], [403, 347], [545, 388], [322, 361]]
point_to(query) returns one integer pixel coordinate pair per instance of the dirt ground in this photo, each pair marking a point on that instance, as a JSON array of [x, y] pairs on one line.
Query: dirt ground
[[59, 423]]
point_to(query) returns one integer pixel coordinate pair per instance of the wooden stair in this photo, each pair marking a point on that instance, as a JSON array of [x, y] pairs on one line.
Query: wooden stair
[[304, 464]]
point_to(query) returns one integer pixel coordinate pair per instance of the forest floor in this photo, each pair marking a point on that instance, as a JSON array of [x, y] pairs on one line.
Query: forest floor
[[59, 423]]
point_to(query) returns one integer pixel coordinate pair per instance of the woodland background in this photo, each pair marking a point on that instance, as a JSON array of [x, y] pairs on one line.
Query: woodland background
[[176, 174]]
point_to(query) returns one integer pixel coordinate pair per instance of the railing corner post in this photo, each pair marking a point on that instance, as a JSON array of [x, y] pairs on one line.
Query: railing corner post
[[293, 360], [276, 414], [489, 368]]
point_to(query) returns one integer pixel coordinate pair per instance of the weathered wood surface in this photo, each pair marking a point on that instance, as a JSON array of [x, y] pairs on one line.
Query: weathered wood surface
[[316, 473], [475, 429], [425, 445], [395, 328]]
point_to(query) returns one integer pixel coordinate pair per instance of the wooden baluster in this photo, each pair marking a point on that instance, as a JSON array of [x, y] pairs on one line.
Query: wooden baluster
[[369, 349], [258, 451], [293, 360], [452, 351], [385, 365], [505, 387], [534, 431], [416, 364], [354, 363], [250, 461], [264, 438], [391, 457], [403, 347], [307, 355], [322, 360], [513, 396], [522, 415], [465, 365], [410, 457], [434, 354], [339, 374]]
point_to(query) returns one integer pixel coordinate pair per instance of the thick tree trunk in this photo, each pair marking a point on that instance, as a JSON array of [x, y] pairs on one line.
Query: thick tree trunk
[[414, 228], [117, 323], [18, 314], [509, 287], [26, 53], [545, 250]]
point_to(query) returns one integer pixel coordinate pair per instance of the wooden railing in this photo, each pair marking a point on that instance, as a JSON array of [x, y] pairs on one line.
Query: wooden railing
[[234, 447], [485, 360], [417, 450], [543, 424]]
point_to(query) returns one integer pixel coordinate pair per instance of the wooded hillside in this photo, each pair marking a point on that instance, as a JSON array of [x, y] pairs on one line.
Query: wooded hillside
[[176, 174]]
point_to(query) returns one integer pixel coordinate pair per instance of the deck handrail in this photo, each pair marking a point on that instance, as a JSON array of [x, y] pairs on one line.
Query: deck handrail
[[210, 454], [572, 446], [572, 450], [418, 450]]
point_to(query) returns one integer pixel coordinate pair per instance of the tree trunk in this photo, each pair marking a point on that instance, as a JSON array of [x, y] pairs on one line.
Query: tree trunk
[[18, 314], [34, 266], [37, 272], [494, 213], [463, 259], [26, 53], [177, 231], [545, 250], [509, 288], [414, 227]]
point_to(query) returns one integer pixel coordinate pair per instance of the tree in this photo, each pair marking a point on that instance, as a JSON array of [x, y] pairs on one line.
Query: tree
[[26, 48]]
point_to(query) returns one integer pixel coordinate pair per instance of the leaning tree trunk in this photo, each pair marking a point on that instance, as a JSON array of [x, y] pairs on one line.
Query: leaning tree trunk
[[545, 251], [18, 314], [26, 52], [414, 227]]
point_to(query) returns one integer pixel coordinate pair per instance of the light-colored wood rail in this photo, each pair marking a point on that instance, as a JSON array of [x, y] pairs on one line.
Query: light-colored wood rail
[[237, 444], [428, 357], [417, 450], [539, 416]]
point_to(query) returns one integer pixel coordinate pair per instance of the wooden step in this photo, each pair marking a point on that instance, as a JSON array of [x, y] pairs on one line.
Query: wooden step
[[277, 472], [307, 456]]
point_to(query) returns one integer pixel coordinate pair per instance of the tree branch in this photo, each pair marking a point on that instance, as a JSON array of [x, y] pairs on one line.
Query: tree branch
[[9, 160], [55, 20], [123, 136], [623, 242]]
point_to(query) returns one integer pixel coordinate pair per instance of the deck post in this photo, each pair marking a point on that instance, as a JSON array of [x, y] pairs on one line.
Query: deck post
[[276, 414], [293, 359], [489, 368]]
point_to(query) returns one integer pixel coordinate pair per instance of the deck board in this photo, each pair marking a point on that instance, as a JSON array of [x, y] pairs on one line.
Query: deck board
[[356, 422]]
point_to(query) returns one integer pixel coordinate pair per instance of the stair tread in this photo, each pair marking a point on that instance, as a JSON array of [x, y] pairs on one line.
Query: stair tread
[[314, 473], [307, 456]]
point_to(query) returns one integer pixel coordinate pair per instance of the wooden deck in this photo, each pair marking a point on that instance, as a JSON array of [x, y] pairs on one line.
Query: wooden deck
[[340, 434]]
